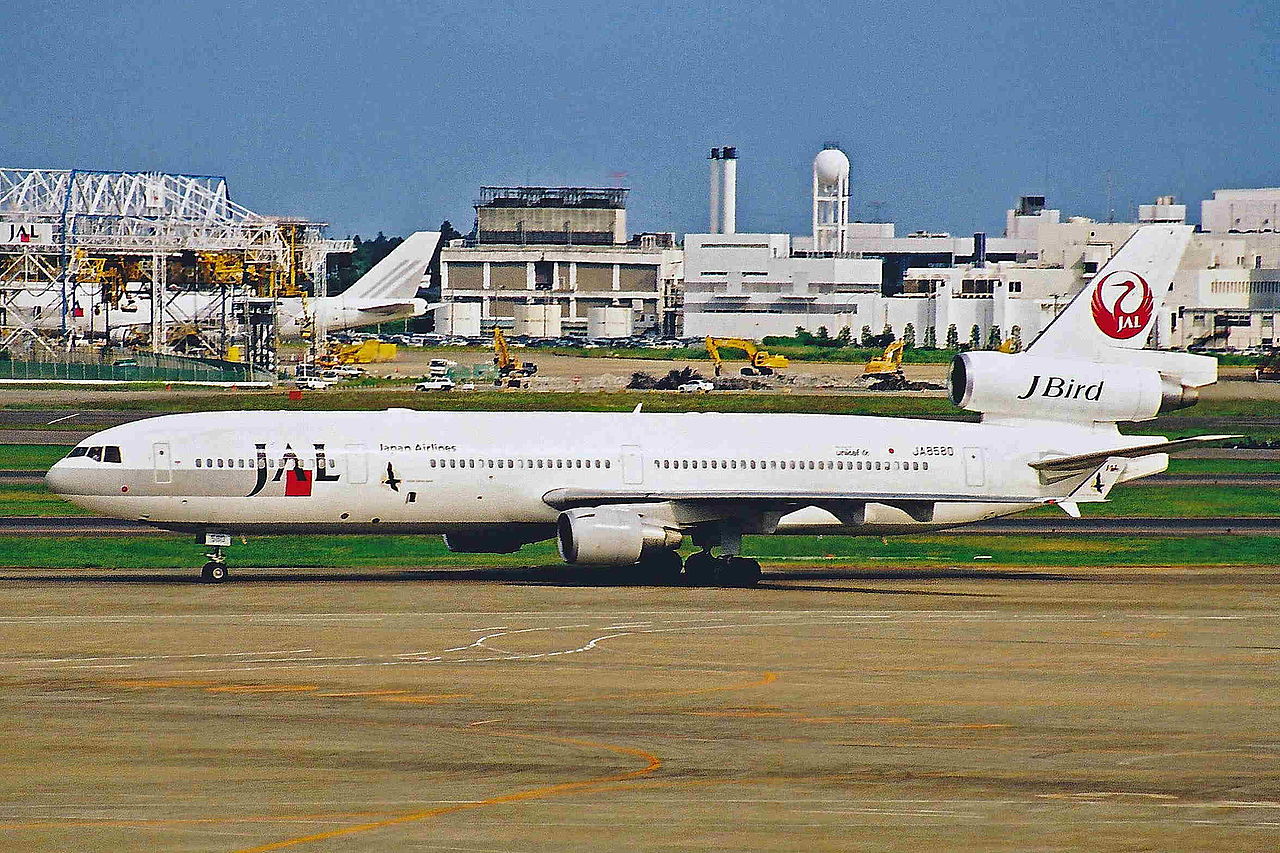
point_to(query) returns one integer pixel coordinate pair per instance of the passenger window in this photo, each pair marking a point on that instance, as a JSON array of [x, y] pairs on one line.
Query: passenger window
[[926, 465], [199, 463], [606, 463]]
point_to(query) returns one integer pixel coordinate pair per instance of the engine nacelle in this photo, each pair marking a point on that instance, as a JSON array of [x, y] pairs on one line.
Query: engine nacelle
[[604, 536], [1026, 386]]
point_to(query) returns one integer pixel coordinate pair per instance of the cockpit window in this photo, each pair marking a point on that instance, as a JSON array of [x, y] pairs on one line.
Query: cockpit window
[[95, 453], [77, 451], [111, 454]]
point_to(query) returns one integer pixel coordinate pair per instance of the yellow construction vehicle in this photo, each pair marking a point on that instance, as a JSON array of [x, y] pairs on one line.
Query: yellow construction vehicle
[[510, 370], [890, 361], [366, 352], [763, 363]]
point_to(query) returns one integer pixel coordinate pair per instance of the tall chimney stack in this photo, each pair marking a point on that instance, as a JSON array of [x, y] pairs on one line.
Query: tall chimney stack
[[729, 190], [715, 190]]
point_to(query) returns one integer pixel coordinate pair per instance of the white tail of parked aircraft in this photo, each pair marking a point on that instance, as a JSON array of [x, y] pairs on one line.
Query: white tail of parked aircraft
[[623, 491], [386, 292]]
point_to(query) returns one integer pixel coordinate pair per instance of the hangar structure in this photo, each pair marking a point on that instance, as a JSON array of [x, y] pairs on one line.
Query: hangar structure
[[167, 262]]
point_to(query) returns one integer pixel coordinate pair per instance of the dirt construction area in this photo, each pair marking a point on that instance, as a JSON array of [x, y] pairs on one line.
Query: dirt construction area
[[1081, 710]]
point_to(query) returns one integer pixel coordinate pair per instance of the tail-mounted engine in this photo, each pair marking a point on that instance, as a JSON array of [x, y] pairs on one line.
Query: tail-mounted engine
[[1048, 388]]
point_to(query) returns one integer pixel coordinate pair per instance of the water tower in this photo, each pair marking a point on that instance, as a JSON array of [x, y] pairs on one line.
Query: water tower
[[830, 199]]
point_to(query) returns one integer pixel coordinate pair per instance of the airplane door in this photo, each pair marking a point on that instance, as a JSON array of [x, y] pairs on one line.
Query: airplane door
[[974, 475], [163, 461], [632, 464], [357, 464]]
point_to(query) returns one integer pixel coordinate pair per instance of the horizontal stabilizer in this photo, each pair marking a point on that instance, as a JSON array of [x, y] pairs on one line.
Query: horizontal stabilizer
[[1081, 461], [388, 308]]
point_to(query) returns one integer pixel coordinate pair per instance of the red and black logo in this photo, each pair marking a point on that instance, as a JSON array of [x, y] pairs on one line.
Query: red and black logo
[[1122, 304], [298, 478]]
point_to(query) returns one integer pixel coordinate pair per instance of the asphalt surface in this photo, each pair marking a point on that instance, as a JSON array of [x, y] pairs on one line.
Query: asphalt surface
[[1065, 710], [1219, 526]]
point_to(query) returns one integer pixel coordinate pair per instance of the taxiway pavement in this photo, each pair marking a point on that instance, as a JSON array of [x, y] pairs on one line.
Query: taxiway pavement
[[902, 710]]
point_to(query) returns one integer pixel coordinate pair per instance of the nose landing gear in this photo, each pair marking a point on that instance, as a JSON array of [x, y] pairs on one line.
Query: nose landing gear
[[215, 571]]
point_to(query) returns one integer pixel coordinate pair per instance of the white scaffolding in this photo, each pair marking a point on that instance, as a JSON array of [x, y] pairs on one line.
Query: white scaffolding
[[59, 229]]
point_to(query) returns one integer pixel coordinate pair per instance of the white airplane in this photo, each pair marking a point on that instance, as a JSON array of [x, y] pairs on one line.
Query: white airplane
[[625, 490], [383, 294]]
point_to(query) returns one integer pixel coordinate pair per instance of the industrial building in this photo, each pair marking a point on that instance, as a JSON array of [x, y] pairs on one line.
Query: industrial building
[[167, 262], [939, 289], [545, 261]]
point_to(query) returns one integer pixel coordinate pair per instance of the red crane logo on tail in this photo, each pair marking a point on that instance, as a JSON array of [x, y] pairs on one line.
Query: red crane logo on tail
[[1122, 304]]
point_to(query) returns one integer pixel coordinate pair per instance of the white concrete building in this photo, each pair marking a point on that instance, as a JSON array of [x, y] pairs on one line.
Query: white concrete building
[[574, 279], [752, 285], [1232, 211]]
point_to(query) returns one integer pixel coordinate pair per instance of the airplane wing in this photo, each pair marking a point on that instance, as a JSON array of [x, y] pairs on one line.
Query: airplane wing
[[763, 500], [1083, 461]]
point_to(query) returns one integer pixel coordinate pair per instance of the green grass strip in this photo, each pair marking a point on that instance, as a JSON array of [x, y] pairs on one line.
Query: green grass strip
[[406, 552]]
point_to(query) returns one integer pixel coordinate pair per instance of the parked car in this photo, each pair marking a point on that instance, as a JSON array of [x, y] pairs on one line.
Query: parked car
[[697, 385], [437, 384]]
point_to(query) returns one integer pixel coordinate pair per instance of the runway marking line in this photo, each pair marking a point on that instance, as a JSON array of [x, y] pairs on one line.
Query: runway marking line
[[652, 764], [426, 698], [264, 688], [354, 694]]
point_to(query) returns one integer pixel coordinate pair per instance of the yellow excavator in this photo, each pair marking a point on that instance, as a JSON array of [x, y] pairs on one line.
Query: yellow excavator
[[889, 362], [762, 362], [510, 371]]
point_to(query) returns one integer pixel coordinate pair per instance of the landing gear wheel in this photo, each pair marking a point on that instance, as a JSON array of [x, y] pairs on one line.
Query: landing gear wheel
[[738, 572], [700, 569], [213, 572], [660, 568]]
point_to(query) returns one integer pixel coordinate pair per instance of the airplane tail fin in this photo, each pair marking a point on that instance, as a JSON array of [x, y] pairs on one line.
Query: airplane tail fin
[[1119, 307], [398, 276]]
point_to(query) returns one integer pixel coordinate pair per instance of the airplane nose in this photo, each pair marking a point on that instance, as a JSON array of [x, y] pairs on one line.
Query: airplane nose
[[61, 479]]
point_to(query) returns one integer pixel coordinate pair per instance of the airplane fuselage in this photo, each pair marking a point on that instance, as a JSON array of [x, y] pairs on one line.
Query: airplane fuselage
[[405, 471]]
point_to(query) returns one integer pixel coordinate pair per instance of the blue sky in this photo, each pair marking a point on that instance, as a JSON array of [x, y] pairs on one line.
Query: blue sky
[[389, 115]]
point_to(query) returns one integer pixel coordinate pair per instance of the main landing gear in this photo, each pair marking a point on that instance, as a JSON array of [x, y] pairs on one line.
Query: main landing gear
[[704, 569], [662, 568]]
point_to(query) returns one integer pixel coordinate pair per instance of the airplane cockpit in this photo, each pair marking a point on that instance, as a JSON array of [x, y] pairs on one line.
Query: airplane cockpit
[[98, 453]]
